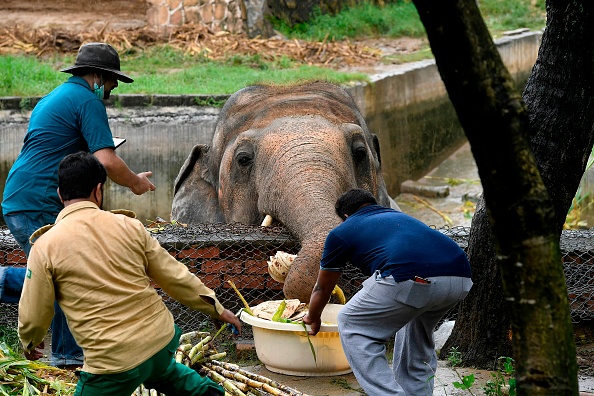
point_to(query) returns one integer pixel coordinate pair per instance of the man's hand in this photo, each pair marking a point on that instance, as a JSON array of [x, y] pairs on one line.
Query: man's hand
[[315, 323], [143, 184], [118, 171], [319, 297], [35, 354], [228, 317]]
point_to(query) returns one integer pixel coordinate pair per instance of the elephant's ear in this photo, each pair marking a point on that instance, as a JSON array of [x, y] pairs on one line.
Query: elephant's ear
[[383, 196], [195, 197], [198, 154], [376, 147]]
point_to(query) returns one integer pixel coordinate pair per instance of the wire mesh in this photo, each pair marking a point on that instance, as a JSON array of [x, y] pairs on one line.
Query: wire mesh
[[217, 253]]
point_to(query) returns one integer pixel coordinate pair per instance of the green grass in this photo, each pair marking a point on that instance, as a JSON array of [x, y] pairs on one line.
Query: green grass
[[30, 76], [201, 79], [400, 18], [365, 20], [166, 70], [502, 15], [26, 75]]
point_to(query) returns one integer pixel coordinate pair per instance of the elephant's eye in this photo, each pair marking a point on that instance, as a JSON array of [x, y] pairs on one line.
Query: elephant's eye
[[359, 151], [244, 159]]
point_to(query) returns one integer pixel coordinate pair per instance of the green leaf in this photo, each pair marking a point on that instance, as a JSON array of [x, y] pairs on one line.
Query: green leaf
[[279, 311], [313, 351], [459, 385], [466, 383], [468, 380], [512, 387]]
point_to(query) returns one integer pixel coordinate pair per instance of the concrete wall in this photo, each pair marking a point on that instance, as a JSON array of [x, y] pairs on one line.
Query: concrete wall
[[407, 107]]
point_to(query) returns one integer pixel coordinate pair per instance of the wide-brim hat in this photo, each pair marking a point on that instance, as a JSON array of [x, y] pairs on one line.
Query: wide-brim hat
[[99, 56]]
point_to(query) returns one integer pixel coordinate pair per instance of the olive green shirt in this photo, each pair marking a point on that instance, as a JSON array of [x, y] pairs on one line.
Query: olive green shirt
[[98, 266]]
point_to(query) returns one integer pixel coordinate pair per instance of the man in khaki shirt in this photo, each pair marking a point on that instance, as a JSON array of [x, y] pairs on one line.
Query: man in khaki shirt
[[98, 266]]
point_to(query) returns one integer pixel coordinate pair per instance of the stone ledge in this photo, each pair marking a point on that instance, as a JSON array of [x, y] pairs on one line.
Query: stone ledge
[[424, 190], [125, 100]]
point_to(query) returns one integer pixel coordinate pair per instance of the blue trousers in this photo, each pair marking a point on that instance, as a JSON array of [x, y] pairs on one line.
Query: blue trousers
[[409, 312], [65, 351], [11, 284]]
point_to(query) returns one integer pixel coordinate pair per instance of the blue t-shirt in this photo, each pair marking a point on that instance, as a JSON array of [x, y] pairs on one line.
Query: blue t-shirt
[[69, 119], [378, 238]]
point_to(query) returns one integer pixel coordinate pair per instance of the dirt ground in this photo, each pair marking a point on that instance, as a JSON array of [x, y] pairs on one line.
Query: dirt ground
[[41, 27]]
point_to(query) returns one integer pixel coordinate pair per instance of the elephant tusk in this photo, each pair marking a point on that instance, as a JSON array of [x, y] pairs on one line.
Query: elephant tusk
[[267, 221]]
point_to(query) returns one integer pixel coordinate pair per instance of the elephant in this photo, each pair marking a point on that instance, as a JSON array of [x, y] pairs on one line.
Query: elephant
[[285, 151]]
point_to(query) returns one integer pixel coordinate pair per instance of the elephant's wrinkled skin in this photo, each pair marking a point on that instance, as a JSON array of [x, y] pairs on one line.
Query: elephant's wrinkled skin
[[289, 152]]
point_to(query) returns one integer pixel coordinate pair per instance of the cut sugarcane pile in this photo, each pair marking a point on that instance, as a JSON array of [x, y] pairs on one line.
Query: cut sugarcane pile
[[240, 382], [196, 350]]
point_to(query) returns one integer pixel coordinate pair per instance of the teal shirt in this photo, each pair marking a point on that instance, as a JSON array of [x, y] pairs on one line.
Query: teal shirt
[[69, 119]]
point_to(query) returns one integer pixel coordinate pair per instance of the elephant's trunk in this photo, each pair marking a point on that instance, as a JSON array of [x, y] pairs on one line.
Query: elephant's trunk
[[311, 230], [302, 195], [304, 272]]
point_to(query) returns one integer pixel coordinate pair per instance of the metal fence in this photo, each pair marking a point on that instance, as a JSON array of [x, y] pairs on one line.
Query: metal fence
[[218, 253]]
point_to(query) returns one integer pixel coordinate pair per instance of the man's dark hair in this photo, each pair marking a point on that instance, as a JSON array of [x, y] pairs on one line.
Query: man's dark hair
[[79, 174], [349, 202]]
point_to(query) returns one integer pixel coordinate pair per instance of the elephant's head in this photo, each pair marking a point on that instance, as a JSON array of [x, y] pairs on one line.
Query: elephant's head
[[287, 152]]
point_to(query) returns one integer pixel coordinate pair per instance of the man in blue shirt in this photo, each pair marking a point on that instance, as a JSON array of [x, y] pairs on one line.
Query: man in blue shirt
[[69, 119], [416, 275]]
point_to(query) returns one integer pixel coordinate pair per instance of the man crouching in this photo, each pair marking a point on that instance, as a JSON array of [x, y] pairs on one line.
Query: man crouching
[[98, 266]]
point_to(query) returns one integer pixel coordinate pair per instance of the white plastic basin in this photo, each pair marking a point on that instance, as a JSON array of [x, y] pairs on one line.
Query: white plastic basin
[[283, 347]]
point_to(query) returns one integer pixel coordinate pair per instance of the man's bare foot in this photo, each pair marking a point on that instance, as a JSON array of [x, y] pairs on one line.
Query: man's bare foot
[[36, 353]]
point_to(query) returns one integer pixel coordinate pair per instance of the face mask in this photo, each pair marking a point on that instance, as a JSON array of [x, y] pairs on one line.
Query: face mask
[[99, 91]]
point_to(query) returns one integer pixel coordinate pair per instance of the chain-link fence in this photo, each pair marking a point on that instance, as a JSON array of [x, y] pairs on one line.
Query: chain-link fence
[[218, 253]]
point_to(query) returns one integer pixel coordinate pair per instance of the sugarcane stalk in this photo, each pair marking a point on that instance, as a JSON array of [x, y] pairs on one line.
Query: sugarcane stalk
[[219, 331], [180, 352], [246, 380], [198, 347], [245, 304], [279, 311], [196, 358], [217, 356], [260, 378], [224, 382], [187, 337], [235, 375], [311, 347], [241, 386]]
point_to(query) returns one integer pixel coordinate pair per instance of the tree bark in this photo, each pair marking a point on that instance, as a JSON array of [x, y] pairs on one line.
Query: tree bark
[[559, 96], [520, 212]]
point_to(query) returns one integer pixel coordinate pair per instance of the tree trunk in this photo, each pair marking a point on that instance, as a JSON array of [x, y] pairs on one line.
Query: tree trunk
[[519, 209], [559, 96], [482, 330]]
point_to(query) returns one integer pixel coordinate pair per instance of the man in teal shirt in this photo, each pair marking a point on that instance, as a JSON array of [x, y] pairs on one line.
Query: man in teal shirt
[[69, 119]]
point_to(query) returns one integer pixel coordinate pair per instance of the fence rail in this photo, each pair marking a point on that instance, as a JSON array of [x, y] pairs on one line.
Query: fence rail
[[220, 252]]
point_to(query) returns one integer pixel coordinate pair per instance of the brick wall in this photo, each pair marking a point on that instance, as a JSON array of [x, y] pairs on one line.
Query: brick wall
[[212, 265]]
